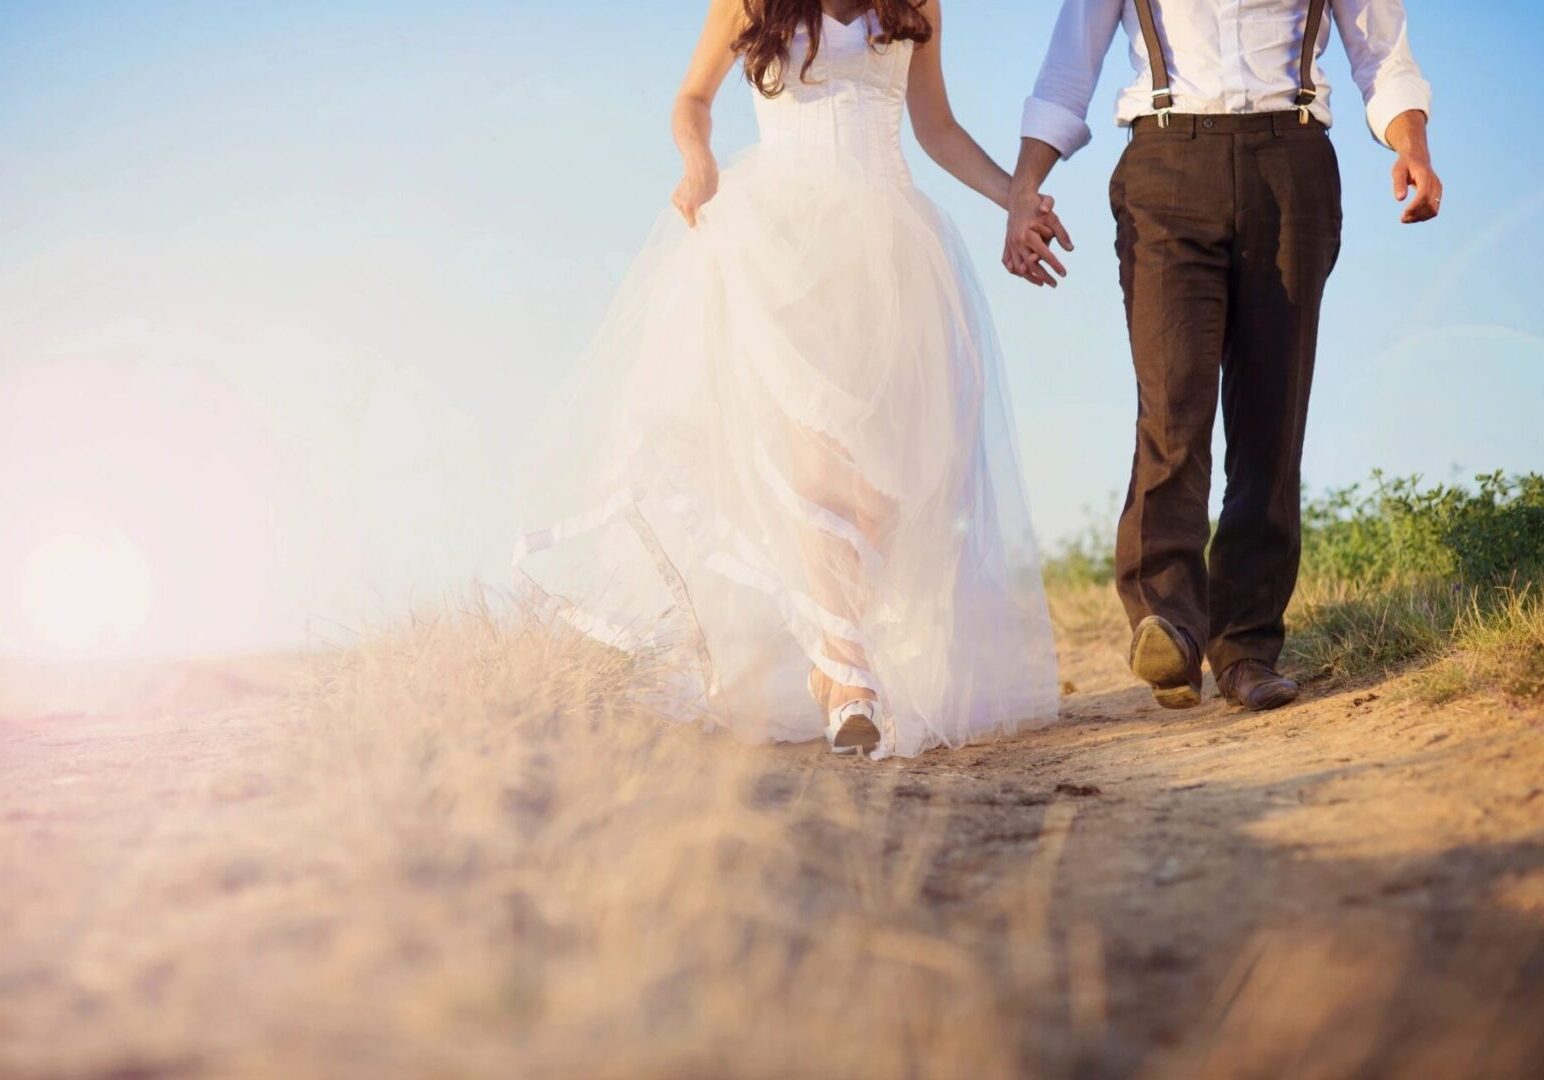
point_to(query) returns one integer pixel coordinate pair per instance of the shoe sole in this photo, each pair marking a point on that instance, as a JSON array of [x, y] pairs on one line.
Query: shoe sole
[[1158, 660], [1278, 700], [857, 735]]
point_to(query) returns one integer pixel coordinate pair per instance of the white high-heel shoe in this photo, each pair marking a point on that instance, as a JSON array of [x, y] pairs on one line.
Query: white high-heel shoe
[[852, 727]]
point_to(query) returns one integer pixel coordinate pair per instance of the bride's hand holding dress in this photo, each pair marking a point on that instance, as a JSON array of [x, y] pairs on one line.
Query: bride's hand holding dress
[[697, 187]]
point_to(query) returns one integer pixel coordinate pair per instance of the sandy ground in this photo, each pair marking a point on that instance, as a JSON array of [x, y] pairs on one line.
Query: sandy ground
[[1351, 887], [1354, 886]]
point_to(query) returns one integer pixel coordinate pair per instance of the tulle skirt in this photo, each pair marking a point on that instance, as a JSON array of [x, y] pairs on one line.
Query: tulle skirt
[[790, 446]]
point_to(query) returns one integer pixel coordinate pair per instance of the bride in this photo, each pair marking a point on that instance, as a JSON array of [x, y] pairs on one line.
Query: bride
[[787, 469]]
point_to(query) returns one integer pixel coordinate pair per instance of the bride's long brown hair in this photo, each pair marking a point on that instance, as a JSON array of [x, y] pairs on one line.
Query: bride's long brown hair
[[771, 24]]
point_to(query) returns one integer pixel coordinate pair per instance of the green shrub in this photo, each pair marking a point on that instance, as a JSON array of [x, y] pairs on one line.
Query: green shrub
[[1402, 532], [1086, 559], [1498, 534]]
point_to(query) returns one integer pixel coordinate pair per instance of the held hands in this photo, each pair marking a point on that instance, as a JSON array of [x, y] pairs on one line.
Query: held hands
[[697, 187], [1032, 225]]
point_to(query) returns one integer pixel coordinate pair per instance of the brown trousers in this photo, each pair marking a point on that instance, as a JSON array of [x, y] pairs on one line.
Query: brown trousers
[[1227, 230]]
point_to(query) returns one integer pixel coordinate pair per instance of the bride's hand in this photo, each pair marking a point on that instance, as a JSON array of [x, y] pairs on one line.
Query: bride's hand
[[696, 188]]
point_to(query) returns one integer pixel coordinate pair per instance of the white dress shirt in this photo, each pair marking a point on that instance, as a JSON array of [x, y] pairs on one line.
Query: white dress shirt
[[1224, 56]]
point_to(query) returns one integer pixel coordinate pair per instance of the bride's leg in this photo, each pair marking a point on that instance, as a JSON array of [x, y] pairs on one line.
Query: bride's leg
[[823, 475]]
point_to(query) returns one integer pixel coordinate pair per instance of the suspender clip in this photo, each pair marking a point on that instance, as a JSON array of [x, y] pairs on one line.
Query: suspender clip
[[1305, 98]]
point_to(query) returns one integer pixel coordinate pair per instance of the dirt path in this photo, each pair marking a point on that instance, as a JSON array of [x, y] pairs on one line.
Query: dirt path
[[1351, 887], [1354, 886]]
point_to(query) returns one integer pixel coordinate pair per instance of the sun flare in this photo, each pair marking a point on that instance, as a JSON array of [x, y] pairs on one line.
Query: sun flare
[[84, 593]]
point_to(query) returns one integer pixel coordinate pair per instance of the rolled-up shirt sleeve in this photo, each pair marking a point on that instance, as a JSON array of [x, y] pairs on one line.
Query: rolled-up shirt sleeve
[[1057, 111], [1377, 41]]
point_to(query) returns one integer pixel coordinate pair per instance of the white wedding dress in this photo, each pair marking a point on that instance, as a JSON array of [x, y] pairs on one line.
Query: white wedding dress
[[791, 446]]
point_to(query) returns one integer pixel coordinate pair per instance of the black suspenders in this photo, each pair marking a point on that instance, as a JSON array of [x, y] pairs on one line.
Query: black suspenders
[[1163, 97], [1306, 90]]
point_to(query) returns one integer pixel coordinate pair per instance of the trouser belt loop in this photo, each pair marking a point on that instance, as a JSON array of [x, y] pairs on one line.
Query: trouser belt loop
[[1178, 126], [1283, 123]]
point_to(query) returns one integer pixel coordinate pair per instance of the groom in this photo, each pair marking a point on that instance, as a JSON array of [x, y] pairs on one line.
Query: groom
[[1227, 209]]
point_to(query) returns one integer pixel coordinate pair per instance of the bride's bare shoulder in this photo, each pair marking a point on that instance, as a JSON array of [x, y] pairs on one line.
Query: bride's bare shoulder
[[733, 13]]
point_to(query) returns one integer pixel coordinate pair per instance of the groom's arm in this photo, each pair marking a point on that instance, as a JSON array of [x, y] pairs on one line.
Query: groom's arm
[[1056, 113], [1036, 160], [1398, 98], [1055, 126]]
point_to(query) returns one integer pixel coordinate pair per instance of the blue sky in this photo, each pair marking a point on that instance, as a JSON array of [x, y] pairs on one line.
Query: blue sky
[[283, 285]]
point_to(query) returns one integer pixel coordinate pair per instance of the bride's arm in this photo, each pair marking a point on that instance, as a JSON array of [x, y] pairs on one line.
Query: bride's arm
[[692, 119], [949, 144], [938, 132]]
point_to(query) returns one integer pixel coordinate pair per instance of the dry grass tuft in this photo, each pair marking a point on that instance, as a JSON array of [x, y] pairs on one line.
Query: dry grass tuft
[[629, 898], [1342, 630], [1087, 613]]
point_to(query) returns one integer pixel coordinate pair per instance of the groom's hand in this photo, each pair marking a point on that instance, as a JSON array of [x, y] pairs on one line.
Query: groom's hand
[[1412, 169], [1032, 225]]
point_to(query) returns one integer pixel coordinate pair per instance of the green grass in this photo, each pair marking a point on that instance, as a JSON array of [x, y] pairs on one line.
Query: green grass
[[1498, 644], [1447, 580]]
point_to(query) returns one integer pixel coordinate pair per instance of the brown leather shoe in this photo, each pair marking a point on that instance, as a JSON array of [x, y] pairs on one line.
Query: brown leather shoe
[[1164, 657], [1256, 686]]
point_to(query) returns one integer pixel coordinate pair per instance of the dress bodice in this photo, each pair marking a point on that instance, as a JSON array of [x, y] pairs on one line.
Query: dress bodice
[[850, 103]]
